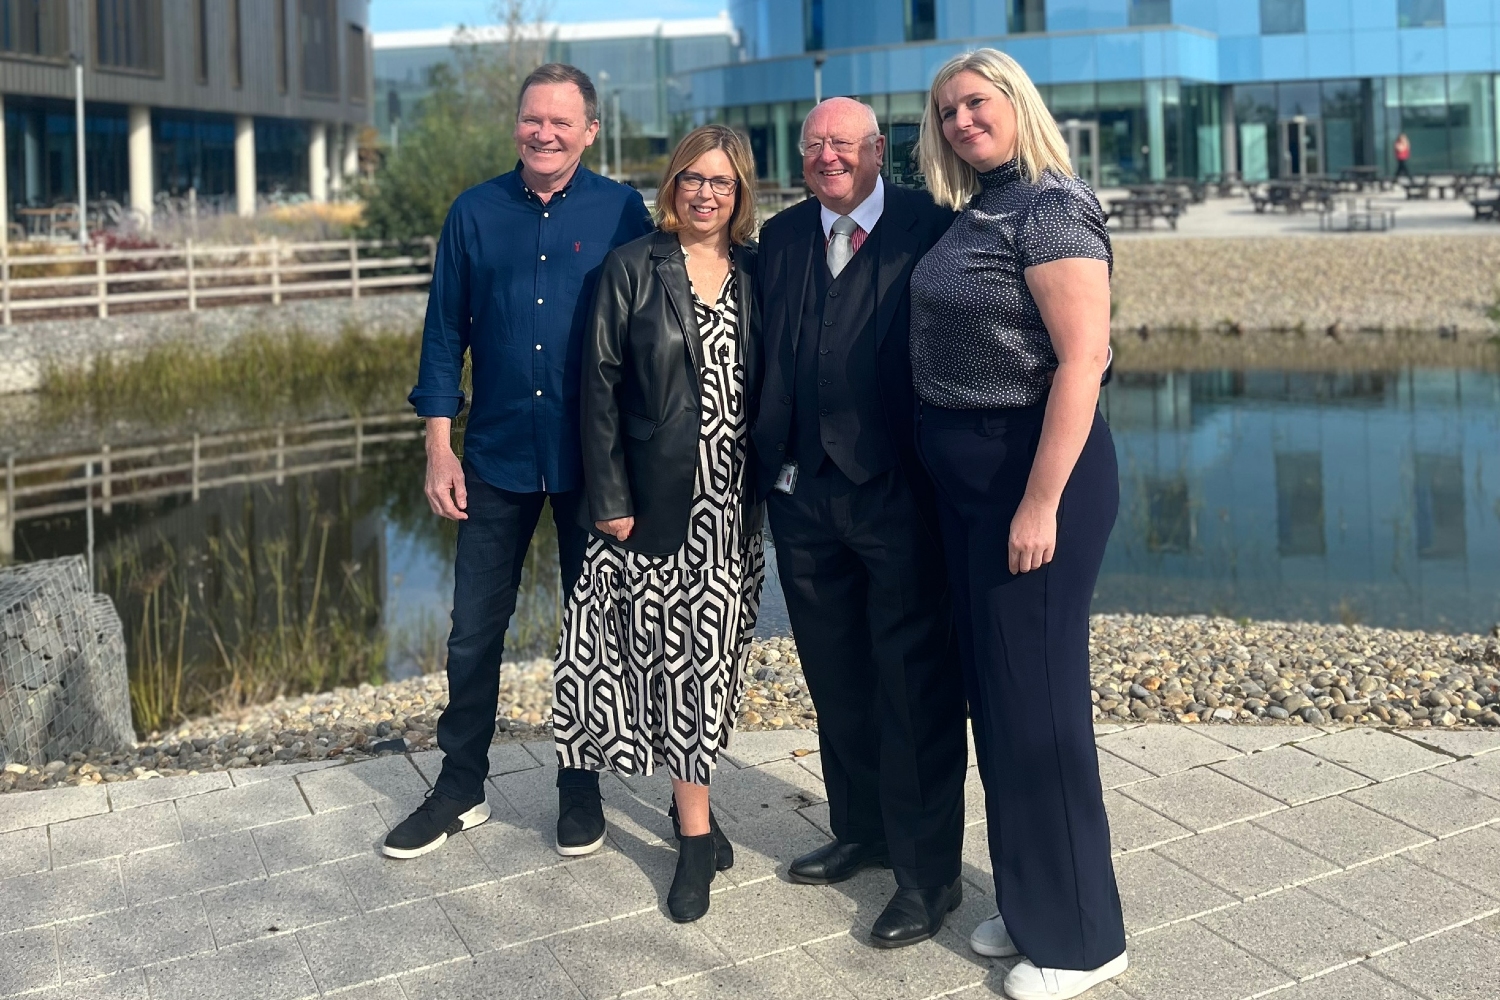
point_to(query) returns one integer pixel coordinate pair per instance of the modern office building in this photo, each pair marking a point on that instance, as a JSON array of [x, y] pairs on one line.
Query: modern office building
[[1146, 89], [641, 60], [229, 98]]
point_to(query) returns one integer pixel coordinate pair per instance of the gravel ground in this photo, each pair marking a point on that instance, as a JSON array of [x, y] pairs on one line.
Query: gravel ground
[[1146, 668]]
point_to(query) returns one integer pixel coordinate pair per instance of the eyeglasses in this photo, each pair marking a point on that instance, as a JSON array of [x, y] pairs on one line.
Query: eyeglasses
[[693, 183], [842, 147]]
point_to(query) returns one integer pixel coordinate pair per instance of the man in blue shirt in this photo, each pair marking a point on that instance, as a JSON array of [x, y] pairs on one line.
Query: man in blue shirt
[[511, 286]]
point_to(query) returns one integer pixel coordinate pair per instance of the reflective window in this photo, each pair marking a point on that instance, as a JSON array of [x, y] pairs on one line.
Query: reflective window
[[1283, 17], [1150, 12], [921, 20], [317, 22], [128, 33], [1025, 16], [1420, 13], [356, 63], [812, 25], [34, 28]]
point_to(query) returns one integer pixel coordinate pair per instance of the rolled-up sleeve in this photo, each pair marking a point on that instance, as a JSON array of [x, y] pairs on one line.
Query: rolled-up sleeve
[[445, 332]]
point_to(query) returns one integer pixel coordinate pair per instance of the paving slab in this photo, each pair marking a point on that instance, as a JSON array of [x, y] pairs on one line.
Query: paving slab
[[231, 809], [269, 969], [121, 986], [1472, 858], [242, 776], [521, 909], [1342, 831], [47, 897], [791, 973], [278, 904], [1255, 738], [55, 805], [632, 953], [505, 758], [772, 915], [361, 948], [1291, 775], [769, 746], [1455, 966], [24, 851], [513, 848], [904, 974], [1245, 860], [780, 784], [392, 779], [529, 973], [1192, 963], [1376, 754], [114, 833], [1357, 982], [1201, 799], [1116, 771], [127, 939], [312, 840], [29, 960], [133, 794], [1133, 827], [768, 844], [1430, 804], [1482, 774], [633, 879], [1165, 749], [1298, 932], [191, 867], [1154, 891], [1463, 743], [378, 881], [1402, 896]]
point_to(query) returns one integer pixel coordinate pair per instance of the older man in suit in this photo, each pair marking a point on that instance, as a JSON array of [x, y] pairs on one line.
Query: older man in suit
[[854, 525]]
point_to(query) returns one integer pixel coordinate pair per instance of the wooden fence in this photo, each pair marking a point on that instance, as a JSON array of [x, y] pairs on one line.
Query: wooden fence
[[193, 276], [98, 480]]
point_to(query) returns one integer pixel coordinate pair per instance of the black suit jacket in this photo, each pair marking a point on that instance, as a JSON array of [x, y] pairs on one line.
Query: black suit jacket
[[791, 245], [642, 391]]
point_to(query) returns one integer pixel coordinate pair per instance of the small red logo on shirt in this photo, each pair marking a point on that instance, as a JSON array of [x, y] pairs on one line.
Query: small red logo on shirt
[[577, 247]]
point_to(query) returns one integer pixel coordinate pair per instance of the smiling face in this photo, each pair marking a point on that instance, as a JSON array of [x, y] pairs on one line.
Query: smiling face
[[978, 121], [552, 129], [705, 212], [841, 179]]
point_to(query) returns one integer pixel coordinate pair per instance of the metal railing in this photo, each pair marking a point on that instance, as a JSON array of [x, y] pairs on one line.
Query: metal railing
[[195, 275]]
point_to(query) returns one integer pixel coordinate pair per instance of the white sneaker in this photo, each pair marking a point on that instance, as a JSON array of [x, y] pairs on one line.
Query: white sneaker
[[1027, 982], [992, 940]]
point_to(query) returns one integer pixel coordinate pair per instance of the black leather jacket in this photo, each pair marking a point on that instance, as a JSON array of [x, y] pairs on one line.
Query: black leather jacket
[[641, 391]]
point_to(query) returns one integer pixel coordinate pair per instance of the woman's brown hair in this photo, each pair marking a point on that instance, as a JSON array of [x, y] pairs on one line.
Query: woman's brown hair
[[693, 145]]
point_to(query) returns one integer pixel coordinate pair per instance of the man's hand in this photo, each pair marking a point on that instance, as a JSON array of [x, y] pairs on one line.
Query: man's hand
[[619, 528], [446, 493]]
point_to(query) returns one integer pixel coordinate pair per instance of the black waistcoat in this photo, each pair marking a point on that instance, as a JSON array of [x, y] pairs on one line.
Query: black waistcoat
[[836, 411]]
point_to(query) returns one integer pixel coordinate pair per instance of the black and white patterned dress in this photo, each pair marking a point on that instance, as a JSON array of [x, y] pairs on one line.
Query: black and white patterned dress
[[653, 648]]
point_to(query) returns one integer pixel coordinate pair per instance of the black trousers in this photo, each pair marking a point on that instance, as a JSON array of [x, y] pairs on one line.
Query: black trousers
[[868, 601], [1024, 641], [492, 546]]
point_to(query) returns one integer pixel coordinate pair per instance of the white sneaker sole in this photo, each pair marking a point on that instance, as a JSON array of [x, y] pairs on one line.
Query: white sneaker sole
[[470, 819], [579, 850], [1106, 971]]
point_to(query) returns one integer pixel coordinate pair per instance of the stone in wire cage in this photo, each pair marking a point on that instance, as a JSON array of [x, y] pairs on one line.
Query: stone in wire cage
[[63, 685]]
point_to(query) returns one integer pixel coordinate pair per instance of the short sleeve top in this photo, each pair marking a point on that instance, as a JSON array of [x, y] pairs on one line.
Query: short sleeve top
[[977, 337]]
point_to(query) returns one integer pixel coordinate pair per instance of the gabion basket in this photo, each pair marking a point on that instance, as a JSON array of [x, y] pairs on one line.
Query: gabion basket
[[63, 685]]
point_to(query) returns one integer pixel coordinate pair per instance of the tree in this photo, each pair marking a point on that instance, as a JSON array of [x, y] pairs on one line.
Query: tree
[[462, 130]]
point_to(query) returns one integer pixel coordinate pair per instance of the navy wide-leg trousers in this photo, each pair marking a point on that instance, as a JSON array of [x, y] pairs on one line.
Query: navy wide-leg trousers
[[1024, 647]]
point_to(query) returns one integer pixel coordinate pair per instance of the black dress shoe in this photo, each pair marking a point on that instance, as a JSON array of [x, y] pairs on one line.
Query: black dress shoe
[[687, 900], [723, 849], [837, 861], [915, 915]]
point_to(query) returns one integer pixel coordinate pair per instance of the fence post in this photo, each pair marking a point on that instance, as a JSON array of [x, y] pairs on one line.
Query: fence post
[[197, 440], [275, 271], [88, 515], [359, 440], [105, 488], [192, 280], [5, 276], [8, 534], [354, 269], [101, 269], [280, 455]]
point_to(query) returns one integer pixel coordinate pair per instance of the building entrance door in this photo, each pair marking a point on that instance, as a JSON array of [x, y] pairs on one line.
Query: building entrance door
[[1301, 147], [1083, 149]]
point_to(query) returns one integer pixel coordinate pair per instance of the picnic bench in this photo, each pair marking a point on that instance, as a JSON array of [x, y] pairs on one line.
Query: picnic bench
[[1486, 209], [1290, 196], [1370, 218], [1423, 185], [1138, 210]]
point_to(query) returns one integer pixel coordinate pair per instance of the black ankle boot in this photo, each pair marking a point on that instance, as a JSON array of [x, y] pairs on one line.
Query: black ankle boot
[[723, 849], [687, 900]]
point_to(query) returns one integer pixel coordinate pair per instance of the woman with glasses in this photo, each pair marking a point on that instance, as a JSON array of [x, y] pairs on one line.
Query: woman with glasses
[[657, 632]]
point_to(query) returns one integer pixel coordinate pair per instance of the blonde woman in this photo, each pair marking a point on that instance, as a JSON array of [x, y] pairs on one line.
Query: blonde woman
[[657, 631], [1009, 345]]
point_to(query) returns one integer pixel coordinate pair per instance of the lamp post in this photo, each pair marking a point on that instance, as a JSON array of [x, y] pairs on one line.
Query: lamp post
[[818, 61], [83, 204], [615, 124], [604, 114]]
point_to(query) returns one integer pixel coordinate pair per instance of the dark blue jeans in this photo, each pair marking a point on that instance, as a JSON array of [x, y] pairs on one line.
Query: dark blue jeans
[[492, 546]]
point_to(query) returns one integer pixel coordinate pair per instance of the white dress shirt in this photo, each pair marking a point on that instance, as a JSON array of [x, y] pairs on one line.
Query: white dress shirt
[[865, 214]]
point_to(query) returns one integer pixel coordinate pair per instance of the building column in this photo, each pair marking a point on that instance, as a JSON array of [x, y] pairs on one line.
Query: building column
[[32, 157], [1156, 131], [142, 179], [780, 115], [244, 165], [351, 151], [317, 162], [1231, 131], [4, 187], [335, 162]]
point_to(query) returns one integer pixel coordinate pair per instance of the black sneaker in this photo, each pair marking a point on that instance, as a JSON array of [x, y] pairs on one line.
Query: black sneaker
[[433, 822], [580, 819]]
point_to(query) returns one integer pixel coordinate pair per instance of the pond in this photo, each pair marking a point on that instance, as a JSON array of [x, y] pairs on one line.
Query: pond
[[1358, 497]]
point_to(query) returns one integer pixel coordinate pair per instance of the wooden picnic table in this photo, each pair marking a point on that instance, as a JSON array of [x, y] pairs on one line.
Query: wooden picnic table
[[1370, 218], [1422, 186], [1138, 209], [49, 220]]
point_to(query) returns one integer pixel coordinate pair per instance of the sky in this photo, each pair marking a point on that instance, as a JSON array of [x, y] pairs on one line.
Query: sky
[[409, 15]]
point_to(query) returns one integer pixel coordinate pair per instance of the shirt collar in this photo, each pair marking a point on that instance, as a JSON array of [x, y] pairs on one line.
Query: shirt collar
[[531, 195], [865, 214]]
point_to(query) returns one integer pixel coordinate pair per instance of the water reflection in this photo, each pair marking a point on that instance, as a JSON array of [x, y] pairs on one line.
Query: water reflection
[[1367, 497]]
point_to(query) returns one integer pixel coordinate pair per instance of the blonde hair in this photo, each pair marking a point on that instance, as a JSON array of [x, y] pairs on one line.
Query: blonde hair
[[1039, 142], [693, 145]]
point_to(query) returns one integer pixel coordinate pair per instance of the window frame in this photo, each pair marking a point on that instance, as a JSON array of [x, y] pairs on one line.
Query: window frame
[[59, 17], [357, 61], [1300, 19], [331, 48], [154, 37]]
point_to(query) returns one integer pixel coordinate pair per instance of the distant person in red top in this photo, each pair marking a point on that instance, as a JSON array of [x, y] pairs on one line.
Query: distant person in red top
[[1403, 154]]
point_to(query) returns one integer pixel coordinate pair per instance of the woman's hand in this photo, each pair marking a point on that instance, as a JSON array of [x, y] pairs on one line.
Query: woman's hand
[[619, 528], [1033, 536]]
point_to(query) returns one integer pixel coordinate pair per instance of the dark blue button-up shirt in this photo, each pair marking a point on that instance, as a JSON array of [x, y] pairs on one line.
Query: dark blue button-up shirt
[[512, 284]]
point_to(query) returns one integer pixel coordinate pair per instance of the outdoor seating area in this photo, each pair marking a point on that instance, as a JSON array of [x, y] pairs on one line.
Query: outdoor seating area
[[1353, 216], [1294, 196]]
